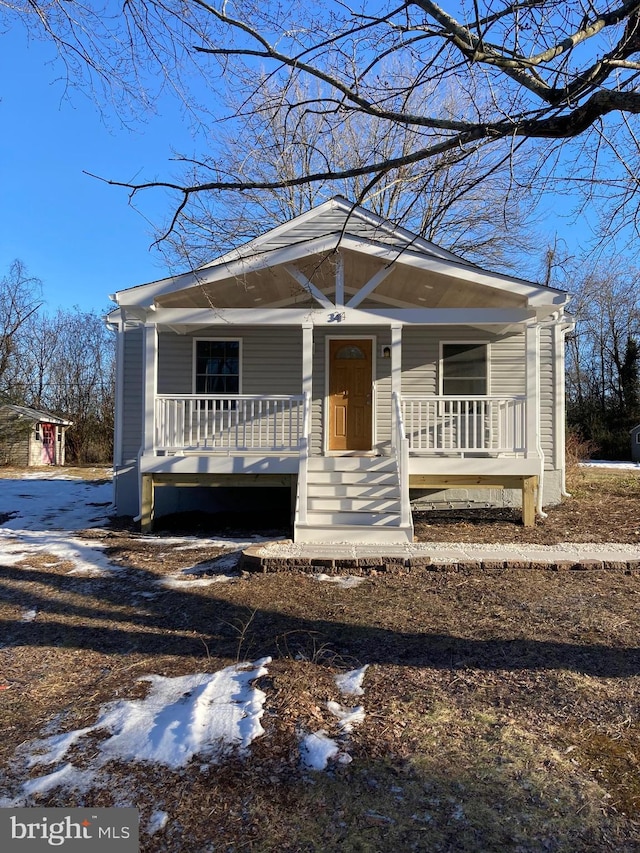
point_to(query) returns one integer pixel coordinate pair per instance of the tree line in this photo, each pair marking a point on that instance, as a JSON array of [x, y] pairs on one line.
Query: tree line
[[603, 358], [61, 363], [451, 121]]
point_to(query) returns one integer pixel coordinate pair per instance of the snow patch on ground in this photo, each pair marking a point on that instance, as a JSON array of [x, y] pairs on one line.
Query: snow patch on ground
[[55, 504], [318, 749], [28, 615], [205, 714], [604, 463], [157, 821], [350, 683], [343, 581], [348, 717]]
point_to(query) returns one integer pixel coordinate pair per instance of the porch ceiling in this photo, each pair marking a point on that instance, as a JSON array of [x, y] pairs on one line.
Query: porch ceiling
[[405, 286]]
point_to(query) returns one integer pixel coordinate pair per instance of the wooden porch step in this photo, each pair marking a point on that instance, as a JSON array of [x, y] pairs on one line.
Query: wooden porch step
[[353, 499], [354, 505], [356, 534], [353, 518], [352, 463], [384, 491], [382, 478]]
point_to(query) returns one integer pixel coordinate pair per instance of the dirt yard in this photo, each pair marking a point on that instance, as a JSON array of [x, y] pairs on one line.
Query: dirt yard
[[502, 709]]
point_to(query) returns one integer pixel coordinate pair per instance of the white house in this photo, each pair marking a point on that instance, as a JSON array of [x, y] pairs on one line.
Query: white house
[[346, 359]]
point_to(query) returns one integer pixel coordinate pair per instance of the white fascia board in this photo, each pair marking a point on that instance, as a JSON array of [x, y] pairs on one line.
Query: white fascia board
[[339, 318], [535, 294], [144, 294]]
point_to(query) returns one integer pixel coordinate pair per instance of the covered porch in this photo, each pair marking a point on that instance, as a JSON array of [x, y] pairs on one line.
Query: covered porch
[[355, 359]]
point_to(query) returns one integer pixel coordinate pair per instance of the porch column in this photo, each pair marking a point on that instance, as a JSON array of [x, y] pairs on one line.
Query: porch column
[[149, 387], [307, 360], [532, 343], [396, 368]]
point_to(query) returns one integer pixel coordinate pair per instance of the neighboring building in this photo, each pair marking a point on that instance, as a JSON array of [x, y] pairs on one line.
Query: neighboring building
[[635, 444], [30, 437], [348, 359]]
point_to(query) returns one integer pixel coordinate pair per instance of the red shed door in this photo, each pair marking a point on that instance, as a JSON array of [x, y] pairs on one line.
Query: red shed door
[[48, 432]]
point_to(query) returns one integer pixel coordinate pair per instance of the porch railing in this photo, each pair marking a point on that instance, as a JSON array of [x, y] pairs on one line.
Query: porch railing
[[442, 424], [401, 445], [212, 422]]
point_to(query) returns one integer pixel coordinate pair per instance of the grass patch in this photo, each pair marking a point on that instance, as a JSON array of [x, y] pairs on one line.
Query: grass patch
[[501, 707]]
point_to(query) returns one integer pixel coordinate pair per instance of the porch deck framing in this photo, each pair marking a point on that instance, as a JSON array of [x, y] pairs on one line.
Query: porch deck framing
[[528, 485], [152, 481]]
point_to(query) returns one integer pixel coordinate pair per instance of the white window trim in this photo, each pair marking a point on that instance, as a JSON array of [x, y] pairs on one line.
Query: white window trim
[[194, 361], [442, 344], [374, 424]]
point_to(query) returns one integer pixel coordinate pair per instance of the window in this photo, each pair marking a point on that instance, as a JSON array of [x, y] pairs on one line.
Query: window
[[464, 369], [350, 352], [217, 367]]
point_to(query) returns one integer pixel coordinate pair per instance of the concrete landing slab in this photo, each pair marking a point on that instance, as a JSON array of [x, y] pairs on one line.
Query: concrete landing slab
[[349, 558]]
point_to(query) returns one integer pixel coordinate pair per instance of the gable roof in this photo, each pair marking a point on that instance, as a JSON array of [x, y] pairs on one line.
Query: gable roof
[[311, 241], [337, 216], [35, 415]]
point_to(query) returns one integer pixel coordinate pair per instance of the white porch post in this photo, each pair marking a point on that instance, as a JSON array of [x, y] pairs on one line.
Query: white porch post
[[307, 360], [150, 386], [305, 442], [396, 365], [532, 342]]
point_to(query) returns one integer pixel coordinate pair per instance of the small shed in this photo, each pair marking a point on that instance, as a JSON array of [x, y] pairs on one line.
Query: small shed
[[635, 444], [30, 437]]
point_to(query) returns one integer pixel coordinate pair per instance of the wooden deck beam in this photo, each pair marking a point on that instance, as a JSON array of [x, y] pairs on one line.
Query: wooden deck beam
[[528, 485]]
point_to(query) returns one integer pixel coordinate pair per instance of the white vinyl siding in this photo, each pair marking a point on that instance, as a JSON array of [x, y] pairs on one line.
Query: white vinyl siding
[[547, 395]]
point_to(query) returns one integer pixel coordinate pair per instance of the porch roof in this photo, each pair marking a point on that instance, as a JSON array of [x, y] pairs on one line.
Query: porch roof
[[340, 255], [35, 415]]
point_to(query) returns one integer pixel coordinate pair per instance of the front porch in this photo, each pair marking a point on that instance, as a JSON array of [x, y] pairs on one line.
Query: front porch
[[264, 441]]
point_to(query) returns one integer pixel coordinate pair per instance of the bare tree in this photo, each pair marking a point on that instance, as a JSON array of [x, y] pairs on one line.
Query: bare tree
[[66, 366], [537, 72], [469, 204], [80, 384], [602, 356], [20, 299]]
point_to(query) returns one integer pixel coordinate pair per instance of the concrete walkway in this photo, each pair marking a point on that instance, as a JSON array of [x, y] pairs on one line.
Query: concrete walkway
[[363, 559]]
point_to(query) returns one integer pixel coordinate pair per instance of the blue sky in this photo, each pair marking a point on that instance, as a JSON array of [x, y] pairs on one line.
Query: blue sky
[[75, 233]]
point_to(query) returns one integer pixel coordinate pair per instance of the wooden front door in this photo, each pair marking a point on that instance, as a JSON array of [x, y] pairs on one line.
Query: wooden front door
[[350, 394]]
